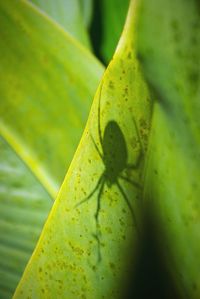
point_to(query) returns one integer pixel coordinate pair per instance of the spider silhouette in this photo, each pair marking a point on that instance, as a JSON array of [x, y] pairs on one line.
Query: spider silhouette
[[114, 156]]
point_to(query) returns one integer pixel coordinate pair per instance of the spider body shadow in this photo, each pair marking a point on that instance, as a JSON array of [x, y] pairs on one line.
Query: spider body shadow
[[114, 156]]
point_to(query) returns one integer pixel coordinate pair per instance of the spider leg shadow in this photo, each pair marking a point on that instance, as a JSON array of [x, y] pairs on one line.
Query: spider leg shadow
[[98, 232], [129, 205], [142, 151], [138, 162], [97, 235], [133, 167], [135, 184], [99, 112], [91, 193], [96, 147]]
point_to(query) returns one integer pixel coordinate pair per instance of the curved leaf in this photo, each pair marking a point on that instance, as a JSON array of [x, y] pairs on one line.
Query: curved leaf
[[47, 81], [89, 244]]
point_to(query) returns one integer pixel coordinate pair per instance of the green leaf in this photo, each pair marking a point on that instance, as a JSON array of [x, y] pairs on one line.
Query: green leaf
[[113, 14], [24, 206], [46, 84], [88, 248], [86, 10], [169, 49], [68, 14]]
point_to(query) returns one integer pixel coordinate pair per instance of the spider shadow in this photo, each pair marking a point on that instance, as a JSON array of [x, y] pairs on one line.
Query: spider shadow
[[114, 155]]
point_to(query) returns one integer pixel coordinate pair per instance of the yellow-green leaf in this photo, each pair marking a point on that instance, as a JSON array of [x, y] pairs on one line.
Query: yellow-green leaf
[[89, 244]]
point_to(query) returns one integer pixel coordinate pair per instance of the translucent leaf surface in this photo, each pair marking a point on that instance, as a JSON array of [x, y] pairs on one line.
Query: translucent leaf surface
[[89, 244]]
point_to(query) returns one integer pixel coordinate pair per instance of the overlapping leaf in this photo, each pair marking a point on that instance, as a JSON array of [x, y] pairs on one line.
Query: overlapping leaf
[[169, 49]]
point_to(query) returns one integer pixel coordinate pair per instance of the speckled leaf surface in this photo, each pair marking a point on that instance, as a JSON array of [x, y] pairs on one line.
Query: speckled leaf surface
[[46, 85], [169, 50], [24, 206], [69, 14], [89, 244]]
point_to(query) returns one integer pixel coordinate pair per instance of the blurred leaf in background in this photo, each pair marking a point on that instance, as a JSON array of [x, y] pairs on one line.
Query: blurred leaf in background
[[169, 50], [73, 15], [87, 11], [47, 84], [24, 206]]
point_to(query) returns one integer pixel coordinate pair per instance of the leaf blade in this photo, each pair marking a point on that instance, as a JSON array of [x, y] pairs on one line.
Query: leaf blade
[[77, 273], [24, 206], [46, 91], [171, 66]]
